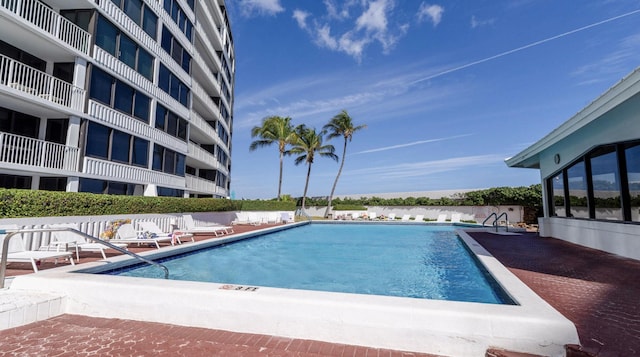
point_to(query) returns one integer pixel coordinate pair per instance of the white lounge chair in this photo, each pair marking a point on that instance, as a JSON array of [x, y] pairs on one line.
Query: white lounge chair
[[391, 217], [419, 218], [441, 218], [18, 253], [127, 234], [273, 218], [373, 216], [287, 217], [405, 218], [455, 217], [70, 241], [215, 229], [153, 228]]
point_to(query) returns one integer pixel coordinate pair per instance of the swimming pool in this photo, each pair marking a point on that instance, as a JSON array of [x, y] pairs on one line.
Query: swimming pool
[[417, 261], [441, 327]]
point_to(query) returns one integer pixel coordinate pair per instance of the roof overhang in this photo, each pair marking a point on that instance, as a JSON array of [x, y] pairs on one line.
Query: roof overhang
[[614, 96]]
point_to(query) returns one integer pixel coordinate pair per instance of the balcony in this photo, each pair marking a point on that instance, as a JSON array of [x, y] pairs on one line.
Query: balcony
[[126, 173], [31, 81], [199, 185], [49, 21], [43, 156]]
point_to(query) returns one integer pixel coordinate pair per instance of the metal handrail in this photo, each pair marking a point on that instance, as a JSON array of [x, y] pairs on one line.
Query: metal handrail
[[302, 212], [497, 218], [11, 234]]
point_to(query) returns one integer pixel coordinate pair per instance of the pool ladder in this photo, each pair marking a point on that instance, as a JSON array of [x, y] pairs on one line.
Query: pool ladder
[[497, 219], [11, 234]]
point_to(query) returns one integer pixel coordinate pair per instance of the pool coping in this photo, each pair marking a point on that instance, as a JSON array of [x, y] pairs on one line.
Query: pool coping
[[419, 325]]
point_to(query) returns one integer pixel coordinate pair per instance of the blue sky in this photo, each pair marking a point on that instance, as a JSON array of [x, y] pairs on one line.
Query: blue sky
[[447, 89]]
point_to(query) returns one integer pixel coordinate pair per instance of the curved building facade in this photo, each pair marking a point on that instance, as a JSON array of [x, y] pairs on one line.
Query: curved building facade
[[127, 97]]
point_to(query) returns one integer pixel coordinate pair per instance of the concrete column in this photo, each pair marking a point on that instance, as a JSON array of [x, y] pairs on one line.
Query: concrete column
[[151, 190], [73, 184]]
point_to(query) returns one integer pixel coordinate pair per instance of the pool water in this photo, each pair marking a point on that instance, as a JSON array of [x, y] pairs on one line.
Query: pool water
[[417, 261]]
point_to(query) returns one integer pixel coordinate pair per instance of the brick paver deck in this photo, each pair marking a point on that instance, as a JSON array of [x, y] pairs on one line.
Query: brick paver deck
[[599, 292]]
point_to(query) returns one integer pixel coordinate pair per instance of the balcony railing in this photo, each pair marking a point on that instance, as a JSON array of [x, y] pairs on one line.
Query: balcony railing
[[50, 21], [29, 80], [196, 184], [21, 150]]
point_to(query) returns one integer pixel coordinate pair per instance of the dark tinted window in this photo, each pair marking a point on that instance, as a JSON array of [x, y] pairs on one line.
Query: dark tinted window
[[123, 98], [106, 36], [100, 86], [97, 144], [120, 146], [140, 153]]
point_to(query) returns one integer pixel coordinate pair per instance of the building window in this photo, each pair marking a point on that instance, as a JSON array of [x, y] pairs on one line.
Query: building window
[[170, 192], [577, 185], [171, 123], [119, 45], [110, 144], [53, 183], [141, 14], [168, 161], [179, 17], [19, 123], [81, 18], [126, 99], [110, 187], [606, 183], [170, 83], [22, 56], [64, 71], [632, 160], [14, 181], [172, 46], [57, 130]]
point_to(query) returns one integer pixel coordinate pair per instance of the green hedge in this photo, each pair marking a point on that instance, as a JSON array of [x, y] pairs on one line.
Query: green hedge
[[343, 207], [16, 203]]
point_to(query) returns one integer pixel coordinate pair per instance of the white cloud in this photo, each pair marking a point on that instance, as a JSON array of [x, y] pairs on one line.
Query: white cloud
[[301, 17], [477, 23], [413, 143], [432, 12], [375, 17], [260, 7], [324, 38]]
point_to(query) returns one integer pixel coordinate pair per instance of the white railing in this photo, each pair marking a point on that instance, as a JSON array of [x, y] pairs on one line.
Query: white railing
[[29, 80], [198, 123], [50, 21], [120, 172], [211, 77], [205, 158], [197, 184], [21, 150]]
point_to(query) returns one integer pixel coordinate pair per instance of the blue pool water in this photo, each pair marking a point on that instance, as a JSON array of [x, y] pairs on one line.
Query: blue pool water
[[416, 261]]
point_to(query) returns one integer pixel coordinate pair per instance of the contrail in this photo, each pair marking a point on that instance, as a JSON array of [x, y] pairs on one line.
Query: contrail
[[409, 144], [524, 47]]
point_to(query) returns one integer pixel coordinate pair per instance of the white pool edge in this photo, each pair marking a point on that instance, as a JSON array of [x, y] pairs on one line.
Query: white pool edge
[[431, 326]]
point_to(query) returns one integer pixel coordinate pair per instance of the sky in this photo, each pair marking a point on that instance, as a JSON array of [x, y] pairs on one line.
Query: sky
[[447, 89]]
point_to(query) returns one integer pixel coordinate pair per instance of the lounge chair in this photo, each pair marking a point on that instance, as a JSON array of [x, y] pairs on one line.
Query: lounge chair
[[455, 217], [18, 253], [441, 218], [155, 231], [391, 217], [215, 229], [127, 234], [287, 217], [405, 218], [71, 241], [373, 216], [419, 218]]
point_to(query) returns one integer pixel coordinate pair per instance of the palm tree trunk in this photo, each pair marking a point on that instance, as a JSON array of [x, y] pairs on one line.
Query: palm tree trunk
[[335, 183], [306, 186], [280, 178]]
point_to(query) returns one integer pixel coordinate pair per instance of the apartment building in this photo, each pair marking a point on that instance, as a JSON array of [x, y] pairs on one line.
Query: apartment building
[[131, 97]]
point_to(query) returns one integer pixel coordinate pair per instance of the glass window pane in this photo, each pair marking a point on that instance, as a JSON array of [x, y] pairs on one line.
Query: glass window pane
[[174, 89], [120, 146], [97, 141], [124, 98], [182, 129], [100, 86], [141, 109], [176, 51], [164, 78], [150, 22], [140, 153], [632, 154], [169, 161], [106, 35], [577, 182], [167, 39], [93, 186], [606, 184], [557, 201], [128, 50], [172, 124], [180, 164], [184, 95], [161, 114], [145, 64], [186, 61], [133, 9], [117, 188], [158, 156]]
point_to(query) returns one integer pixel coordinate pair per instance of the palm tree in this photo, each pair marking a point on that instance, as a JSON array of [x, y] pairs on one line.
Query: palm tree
[[274, 129], [340, 125], [308, 143]]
